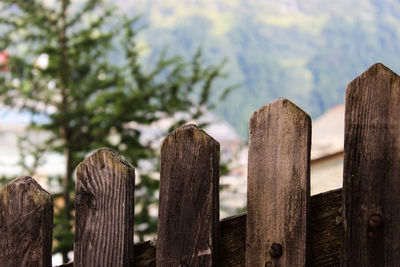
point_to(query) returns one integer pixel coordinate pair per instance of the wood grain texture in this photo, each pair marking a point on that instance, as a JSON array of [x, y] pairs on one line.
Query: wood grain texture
[[232, 245], [145, 254], [326, 229], [26, 224], [325, 236], [188, 221], [104, 211], [278, 184], [371, 180], [325, 232], [233, 241]]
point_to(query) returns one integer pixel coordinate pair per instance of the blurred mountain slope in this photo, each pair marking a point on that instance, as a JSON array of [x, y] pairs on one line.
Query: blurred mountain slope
[[307, 51]]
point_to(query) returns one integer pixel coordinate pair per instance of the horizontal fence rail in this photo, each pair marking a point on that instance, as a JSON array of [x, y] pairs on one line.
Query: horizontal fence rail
[[325, 235], [354, 226]]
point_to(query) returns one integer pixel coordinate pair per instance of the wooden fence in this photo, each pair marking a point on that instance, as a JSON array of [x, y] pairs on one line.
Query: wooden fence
[[358, 225]]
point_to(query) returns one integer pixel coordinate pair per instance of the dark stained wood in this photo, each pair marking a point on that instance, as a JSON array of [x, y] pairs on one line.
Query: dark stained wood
[[325, 233], [104, 211], [188, 221], [26, 224], [371, 182], [326, 229], [145, 254], [232, 247], [278, 184]]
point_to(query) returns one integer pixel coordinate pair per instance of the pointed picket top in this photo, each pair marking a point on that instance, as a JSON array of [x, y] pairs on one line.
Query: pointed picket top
[[188, 221], [104, 210], [278, 187], [280, 102], [104, 156], [191, 131], [377, 75], [26, 223], [371, 189], [285, 106], [25, 184]]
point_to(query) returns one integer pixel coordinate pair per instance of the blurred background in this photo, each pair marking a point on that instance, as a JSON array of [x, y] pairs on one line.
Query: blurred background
[[79, 75]]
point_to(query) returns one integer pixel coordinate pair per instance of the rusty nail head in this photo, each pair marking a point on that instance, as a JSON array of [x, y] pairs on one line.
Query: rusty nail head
[[275, 250], [375, 221]]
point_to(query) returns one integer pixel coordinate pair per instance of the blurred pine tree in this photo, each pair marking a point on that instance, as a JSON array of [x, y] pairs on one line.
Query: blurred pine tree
[[76, 64]]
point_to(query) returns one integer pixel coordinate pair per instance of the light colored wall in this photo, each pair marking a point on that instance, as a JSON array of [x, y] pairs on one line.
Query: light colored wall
[[326, 174]]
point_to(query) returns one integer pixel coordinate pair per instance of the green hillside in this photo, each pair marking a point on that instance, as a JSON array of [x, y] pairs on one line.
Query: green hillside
[[307, 51]]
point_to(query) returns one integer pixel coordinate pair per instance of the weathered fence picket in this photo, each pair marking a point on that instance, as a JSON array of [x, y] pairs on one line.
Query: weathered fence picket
[[104, 211], [188, 221], [278, 191], [371, 180], [283, 226], [26, 224]]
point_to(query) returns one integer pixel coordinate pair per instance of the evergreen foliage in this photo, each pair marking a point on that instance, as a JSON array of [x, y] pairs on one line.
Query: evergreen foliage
[[76, 66]]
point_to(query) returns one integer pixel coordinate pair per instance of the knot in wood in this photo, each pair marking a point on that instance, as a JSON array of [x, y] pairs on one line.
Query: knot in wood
[[375, 221], [275, 250]]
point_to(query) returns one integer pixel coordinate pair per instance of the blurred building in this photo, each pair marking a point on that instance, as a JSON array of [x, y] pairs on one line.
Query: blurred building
[[9, 154], [52, 164], [327, 151]]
